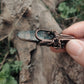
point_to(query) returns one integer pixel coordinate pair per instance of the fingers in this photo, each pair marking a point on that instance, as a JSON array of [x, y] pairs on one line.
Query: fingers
[[76, 50], [57, 50], [76, 30]]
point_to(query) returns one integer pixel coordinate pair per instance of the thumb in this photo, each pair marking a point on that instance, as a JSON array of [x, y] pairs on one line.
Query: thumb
[[76, 50]]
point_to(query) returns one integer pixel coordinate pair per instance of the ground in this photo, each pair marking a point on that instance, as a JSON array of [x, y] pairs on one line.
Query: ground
[[36, 64]]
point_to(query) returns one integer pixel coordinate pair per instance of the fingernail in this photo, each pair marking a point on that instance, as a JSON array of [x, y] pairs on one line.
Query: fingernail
[[74, 48]]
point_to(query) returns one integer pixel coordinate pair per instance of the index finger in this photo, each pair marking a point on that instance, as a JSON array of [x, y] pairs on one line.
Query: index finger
[[76, 30]]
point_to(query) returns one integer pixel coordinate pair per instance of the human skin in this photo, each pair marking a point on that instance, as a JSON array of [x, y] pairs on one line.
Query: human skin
[[75, 48]]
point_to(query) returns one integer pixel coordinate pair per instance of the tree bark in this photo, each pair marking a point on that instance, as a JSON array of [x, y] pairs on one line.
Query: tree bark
[[40, 64]]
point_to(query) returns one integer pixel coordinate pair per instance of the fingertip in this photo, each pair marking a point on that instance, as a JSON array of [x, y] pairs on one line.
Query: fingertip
[[76, 30], [65, 31], [74, 47], [57, 50]]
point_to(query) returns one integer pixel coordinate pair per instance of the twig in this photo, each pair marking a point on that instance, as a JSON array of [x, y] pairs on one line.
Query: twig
[[9, 35], [1, 64], [16, 24], [0, 6], [3, 37]]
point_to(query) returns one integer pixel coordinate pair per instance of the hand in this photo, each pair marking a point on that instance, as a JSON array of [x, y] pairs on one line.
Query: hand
[[75, 48]]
